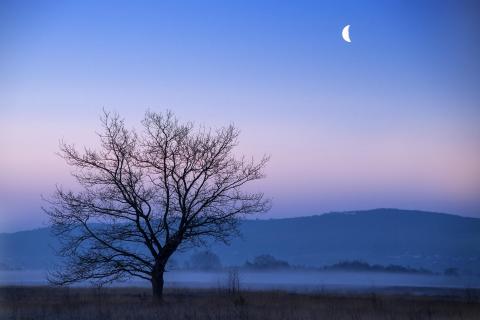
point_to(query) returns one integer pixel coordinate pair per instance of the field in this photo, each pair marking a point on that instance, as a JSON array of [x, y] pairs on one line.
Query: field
[[136, 303]]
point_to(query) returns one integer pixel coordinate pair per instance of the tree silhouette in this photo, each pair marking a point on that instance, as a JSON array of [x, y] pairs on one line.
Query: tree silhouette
[[143, 196]]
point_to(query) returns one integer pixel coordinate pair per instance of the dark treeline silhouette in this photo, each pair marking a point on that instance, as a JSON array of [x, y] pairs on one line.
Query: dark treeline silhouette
[[203, 260], [209, 261], [356, 265], [266, 262]]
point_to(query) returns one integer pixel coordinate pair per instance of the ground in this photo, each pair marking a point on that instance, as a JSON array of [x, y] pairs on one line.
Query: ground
[[136, 303]]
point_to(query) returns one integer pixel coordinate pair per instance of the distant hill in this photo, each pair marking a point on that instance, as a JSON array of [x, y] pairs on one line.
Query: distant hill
[[417, 239], [27, 249]]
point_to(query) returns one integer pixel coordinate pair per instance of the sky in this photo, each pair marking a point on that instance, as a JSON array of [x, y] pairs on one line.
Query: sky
[[388, 120]]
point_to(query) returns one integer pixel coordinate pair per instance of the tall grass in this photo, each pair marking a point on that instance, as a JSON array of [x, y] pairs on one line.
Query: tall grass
[[136, 303]]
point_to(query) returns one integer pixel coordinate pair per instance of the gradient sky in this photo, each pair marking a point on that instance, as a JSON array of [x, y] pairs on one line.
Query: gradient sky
[[389, 120]]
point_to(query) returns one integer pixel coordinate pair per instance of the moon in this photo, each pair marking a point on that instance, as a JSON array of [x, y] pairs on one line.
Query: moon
[[346, 33]]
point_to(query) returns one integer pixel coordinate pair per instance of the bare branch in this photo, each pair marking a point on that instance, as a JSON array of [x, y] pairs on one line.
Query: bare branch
[[143, 196]]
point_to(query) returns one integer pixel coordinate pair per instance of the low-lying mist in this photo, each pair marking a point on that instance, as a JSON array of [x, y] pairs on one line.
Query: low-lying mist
[[288, 280]]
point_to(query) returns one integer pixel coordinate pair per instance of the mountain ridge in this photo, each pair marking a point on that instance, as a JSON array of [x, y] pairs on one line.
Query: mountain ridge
[[366, 211], [413, 238]]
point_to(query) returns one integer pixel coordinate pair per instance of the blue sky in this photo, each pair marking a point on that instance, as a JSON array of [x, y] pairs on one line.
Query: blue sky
[[389, 120]]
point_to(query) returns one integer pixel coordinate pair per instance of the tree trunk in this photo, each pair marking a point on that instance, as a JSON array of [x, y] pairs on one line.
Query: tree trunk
[[159, 269], [157, 283]]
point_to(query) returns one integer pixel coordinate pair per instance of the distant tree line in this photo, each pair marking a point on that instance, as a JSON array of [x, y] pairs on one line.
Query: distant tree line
[[266, 262], [356, 265], [204, 260], [208, 261]]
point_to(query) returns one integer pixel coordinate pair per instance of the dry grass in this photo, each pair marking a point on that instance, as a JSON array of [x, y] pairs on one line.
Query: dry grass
[[136, 303]]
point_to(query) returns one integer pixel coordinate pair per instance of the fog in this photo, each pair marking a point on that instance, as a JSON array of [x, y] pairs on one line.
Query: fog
[[295, 281]]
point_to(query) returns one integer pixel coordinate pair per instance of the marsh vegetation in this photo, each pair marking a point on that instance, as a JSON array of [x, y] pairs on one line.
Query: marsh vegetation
[[137, 303]]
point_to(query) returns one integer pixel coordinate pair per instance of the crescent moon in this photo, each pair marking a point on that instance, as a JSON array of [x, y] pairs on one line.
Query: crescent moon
[[346, 33]]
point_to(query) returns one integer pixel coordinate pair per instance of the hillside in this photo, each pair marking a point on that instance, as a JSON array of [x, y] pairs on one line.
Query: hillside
[[384, 236]]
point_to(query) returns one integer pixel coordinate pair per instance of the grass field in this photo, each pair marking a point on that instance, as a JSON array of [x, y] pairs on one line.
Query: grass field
[[136, 303]]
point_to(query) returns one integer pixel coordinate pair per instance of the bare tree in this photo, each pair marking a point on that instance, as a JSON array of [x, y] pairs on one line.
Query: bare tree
[[144, 196]]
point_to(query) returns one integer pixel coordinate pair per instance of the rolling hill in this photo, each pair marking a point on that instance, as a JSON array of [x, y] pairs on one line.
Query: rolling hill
[[429, 240]]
